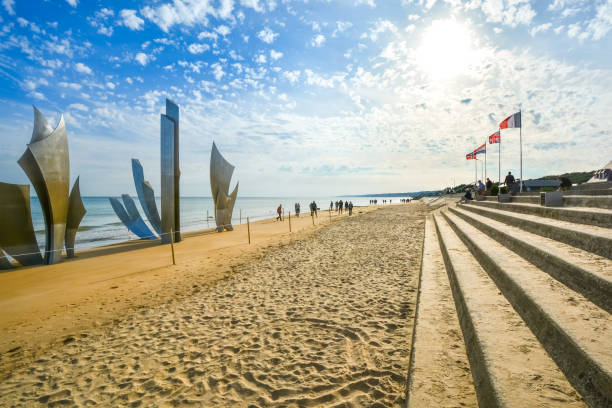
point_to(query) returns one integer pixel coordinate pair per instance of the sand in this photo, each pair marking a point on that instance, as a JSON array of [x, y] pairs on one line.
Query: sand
[[322, 317]]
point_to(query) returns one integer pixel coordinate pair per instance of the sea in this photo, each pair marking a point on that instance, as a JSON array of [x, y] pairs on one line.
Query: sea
[[101, 226]]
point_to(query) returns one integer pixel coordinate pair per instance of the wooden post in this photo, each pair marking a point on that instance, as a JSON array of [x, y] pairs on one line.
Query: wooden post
[[172, 245], [249, 229], [289, 221]]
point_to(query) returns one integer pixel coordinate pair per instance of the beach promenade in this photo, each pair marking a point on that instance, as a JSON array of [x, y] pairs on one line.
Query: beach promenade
[[319, 317]]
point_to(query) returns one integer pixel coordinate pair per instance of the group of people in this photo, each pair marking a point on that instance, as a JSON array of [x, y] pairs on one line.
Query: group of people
[[340, 205], [313, 210]]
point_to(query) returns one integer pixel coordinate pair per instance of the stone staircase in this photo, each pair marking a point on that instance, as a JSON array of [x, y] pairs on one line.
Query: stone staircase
[[531, 291]]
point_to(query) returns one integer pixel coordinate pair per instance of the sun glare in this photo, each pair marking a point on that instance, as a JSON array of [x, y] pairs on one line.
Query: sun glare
[[446, 49]]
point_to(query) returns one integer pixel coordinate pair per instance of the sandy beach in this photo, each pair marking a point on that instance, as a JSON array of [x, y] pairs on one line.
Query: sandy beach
[[318, 317]]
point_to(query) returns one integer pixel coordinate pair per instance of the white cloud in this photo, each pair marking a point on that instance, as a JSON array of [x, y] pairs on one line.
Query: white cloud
[[542, 28], [217, 71], [599, 26], [71, 85], [9, 6], [365, 2], [254, 4], [380, 27], [186, 12], [292, 76], [100, 20], [78, 106], [198, 48], [82, 68], [275, 55], [508, 12], [142, 58], [73, 3], [110, 85], [318, 40], [131, 20], [261, 59], [341, 26], [223, 30], [573, 30], [266, 35], [208, 35]]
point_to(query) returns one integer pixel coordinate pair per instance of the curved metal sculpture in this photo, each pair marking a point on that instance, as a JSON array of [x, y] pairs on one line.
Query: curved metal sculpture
[[146, 196], [47, 165], [135, 224], [220, 176], [76, 212], [17, 237], [170, 173]]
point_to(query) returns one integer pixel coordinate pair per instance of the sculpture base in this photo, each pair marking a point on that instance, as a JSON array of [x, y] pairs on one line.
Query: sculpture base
[[226, 227]]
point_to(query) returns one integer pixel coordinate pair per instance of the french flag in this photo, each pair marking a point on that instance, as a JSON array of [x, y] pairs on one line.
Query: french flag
[[495, 138], [481, 149], [512, 121]]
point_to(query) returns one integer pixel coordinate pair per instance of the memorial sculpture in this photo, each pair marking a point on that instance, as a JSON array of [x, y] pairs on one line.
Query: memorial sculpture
[[46, 162], [128, 213], [220, 176], [76, 212], [170, 173], [17, 236], [146, 196]]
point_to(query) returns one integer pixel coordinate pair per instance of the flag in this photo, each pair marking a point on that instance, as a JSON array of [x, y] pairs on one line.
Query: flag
[[512, 121], [495, 138], [481, 149], [470, 156]]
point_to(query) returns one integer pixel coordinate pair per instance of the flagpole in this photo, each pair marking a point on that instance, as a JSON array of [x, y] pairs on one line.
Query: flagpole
[[475, 171], [485, 176], [521, 141], [499, 165]]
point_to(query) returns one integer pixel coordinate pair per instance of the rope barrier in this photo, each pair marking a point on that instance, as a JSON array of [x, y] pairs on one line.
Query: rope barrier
[[156, 236]]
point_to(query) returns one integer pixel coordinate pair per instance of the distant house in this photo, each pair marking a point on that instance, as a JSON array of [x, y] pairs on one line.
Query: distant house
[[537, 185], [604, 174]]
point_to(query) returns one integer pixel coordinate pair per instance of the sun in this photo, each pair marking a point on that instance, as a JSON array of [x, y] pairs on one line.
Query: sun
[[446, 49]]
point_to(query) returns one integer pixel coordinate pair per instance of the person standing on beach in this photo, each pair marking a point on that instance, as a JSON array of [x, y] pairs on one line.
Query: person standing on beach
[[331, 206], [350, 208], [297, 209], [346, 205], [340, 206], [314, 207], [279, 211]]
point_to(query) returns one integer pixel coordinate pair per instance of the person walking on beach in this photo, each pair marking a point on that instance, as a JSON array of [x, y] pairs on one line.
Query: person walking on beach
[[346, 205], [297, 210], [340, 206], [331, 206], [279, 211], [350, 208], [314, 208]]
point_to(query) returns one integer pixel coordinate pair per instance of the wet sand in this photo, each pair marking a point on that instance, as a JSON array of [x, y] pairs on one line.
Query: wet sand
[[319, 318]]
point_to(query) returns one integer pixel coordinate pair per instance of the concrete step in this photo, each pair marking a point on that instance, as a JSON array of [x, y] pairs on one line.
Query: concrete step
[[581, 215], [575, 332], [589, 192], [439, 372], [596, 240], [582, 271], [602, 201], [509, 366], [530, 199]]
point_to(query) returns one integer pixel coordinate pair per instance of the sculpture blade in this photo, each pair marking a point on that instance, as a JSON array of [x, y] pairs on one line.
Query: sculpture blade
[[138, 224], [17, 237], [145, 193], [76, 212], [47, 164], [220, 176]]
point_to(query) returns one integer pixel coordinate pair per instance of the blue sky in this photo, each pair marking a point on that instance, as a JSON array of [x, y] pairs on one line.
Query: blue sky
[[309, 97]]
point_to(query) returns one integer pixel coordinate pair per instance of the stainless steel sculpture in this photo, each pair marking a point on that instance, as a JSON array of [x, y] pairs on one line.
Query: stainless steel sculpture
[[47, 165], [170, 173], [130, 217], [220, 176], [76, 212], [146, 196], [17, 237]]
